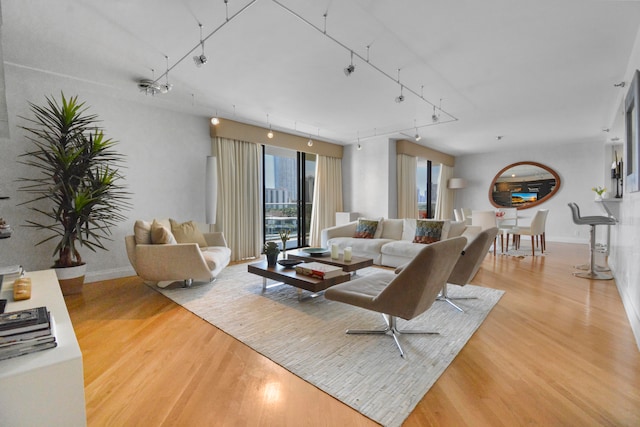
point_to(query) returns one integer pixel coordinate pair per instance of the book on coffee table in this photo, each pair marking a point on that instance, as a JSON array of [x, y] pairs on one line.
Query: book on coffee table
[[318, 270]]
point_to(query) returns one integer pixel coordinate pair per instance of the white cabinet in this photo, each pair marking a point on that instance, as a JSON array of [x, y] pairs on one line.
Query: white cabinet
[[47, 387]]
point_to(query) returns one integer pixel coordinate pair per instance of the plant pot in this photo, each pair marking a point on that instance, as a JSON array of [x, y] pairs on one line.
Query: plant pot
[[71, 279], [272, 259]]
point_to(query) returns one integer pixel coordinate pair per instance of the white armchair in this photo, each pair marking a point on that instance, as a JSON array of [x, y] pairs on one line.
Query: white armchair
[[164, 263]]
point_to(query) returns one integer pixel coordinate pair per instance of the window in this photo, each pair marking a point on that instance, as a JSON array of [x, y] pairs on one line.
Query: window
[[427, 180], [289, 178]]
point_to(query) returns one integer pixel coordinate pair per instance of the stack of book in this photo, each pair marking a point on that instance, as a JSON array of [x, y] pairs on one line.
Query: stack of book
[[318, 270], [26, 331]]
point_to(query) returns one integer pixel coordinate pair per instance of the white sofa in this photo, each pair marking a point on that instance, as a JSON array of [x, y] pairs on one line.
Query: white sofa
[[183, 253], [392, 244]]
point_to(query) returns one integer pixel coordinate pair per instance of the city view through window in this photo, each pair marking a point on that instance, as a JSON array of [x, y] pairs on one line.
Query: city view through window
[[423, 181], [289, 178]]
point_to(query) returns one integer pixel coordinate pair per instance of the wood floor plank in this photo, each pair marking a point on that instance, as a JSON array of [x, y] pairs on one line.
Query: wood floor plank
[[556, 350]]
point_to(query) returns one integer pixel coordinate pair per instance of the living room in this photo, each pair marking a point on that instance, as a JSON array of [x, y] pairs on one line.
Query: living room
[[166, 139]]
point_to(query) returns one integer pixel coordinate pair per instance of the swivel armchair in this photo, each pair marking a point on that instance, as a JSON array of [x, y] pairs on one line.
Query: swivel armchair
[[468, 264], [406, 294]]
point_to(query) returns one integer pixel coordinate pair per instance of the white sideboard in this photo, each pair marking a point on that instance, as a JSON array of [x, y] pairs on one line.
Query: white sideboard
[[47, 387]]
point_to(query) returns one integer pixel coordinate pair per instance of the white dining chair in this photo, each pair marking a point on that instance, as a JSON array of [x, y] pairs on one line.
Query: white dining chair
[[507, 221], [485, 220]]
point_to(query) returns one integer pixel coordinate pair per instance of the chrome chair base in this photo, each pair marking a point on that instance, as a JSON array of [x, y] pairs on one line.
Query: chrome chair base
[[390, 329], [444, 296], [588, 267], [594, 275]]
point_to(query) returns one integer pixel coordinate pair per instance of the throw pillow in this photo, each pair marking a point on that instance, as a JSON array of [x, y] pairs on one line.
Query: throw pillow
[[187, 232], [428, 231], [161, 235], [366, 229], [142, 232]]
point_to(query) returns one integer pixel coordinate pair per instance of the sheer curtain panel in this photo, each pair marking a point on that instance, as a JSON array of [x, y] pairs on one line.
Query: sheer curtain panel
[[240, 196], [407, 187], [444, 201], [327, 196]]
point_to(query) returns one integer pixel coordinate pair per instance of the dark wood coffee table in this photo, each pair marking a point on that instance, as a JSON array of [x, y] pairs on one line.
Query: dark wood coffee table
[[356, 263], [290, 277]]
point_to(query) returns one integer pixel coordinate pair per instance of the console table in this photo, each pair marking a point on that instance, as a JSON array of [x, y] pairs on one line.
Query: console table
[[47, 387]]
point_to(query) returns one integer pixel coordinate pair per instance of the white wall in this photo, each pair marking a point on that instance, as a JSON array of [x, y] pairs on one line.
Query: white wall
[[369, 178], [578, 165], [165, 165]]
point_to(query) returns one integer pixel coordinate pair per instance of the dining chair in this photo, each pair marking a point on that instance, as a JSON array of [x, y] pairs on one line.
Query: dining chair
[[485, 220], [536, 230], [467, 215], [507, 220]]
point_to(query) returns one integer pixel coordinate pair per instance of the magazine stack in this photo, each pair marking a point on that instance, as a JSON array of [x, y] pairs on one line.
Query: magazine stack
[[26, 331]]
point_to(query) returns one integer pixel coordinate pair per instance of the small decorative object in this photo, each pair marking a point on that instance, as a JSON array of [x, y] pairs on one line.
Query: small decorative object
[[599, 192], [499, 214], [334, 252], [315, 251], [347, 254], [271, 250], [289, 263], [284, 236]]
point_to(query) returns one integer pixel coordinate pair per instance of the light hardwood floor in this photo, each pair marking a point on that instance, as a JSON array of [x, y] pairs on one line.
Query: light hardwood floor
[[556, 351]]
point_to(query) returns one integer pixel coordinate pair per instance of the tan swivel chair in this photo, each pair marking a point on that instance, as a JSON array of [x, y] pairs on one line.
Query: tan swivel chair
[[468, 264], [535, 230], [406, 294]]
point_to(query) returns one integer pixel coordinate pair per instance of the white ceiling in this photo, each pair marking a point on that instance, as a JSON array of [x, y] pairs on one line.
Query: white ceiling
[[535, 72]]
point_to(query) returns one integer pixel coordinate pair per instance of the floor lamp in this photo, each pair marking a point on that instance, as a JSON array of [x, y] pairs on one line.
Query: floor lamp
[[211, 190]]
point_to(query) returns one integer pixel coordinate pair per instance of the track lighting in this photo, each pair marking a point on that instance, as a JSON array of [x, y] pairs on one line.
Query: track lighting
[[350, 68], [166, 87], [270, 133], [621, 84], [201, 59], [215, 121], [418, 137], [310, 143], [436, 117], [400, 97]]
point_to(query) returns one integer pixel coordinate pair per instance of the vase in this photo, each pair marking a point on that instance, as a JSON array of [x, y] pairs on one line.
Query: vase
[[71, 279], [598, 197], [272, 259]]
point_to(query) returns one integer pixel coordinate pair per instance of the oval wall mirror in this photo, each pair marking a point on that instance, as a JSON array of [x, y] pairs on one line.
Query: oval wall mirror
[[523, 185]]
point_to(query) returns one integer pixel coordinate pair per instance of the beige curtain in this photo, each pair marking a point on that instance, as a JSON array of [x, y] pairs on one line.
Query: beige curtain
[[444, 201], [407, 188], [239, 196], [327, 196]]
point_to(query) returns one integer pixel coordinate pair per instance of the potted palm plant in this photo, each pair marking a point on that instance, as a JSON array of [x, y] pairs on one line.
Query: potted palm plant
[[76, 186]]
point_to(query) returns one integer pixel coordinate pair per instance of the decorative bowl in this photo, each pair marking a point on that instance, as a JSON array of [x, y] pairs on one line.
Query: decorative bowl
[[289, 263], [315, 251]]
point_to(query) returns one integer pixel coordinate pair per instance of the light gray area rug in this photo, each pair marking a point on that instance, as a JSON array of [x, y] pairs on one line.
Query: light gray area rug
[[308, 338]]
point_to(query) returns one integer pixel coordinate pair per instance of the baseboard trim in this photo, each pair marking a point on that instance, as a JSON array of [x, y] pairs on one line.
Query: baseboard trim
[[114, 273], [632, 315]]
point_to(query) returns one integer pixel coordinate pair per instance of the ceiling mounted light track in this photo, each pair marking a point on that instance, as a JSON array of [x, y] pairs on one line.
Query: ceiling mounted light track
[[201, 43], [350, 68], [201, 59], [323, 31]]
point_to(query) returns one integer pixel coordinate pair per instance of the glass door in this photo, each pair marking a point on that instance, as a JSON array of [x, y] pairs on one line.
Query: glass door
[[289, 178]]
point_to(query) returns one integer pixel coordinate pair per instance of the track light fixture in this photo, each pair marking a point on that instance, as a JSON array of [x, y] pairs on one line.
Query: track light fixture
[[436, 117], [350, 68], [417, 137], [270, 133], [400, 97], [310, 143], [201, 59], [166, 87]]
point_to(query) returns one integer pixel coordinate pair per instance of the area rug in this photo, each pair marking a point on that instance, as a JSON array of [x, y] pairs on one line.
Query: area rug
[[308, 338]]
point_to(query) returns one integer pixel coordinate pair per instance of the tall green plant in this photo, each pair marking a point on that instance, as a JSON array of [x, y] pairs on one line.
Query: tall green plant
[[77, 185]]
